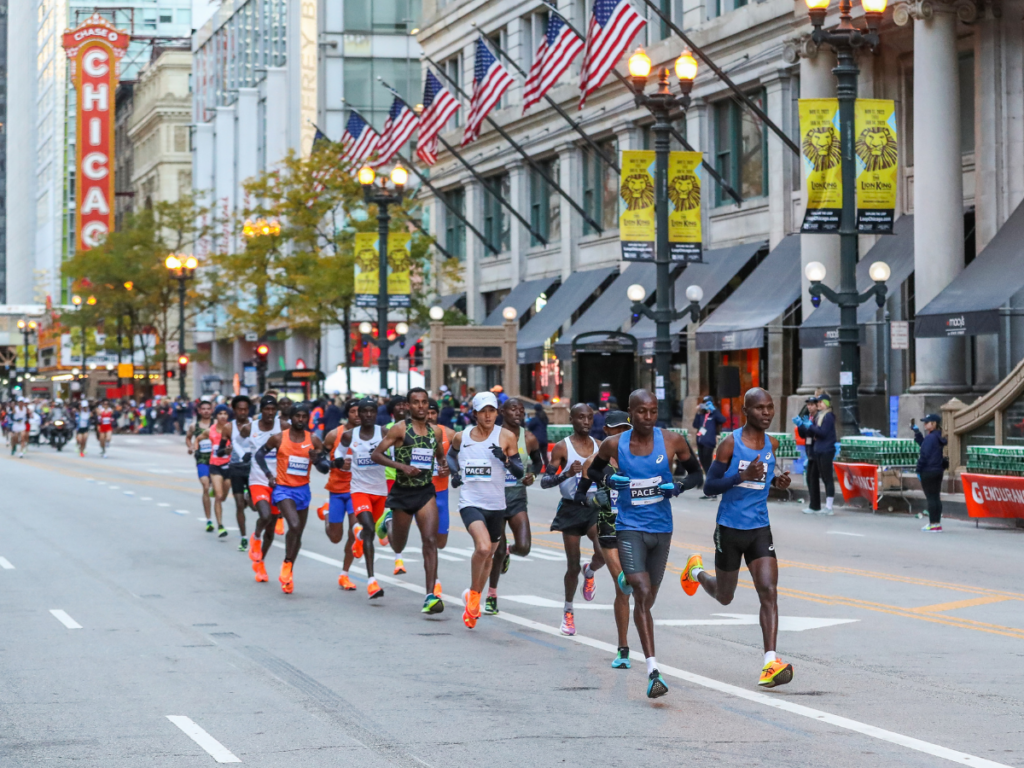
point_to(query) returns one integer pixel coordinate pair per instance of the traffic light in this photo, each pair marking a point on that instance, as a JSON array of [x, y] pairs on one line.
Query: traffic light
[[169, 374], [262, 352], [183, 364]]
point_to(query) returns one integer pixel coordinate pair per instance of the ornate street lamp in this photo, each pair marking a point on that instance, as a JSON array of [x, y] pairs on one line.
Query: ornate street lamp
[[182, 269]]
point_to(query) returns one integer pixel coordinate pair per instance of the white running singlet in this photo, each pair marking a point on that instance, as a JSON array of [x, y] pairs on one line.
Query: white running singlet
[[568, 487], [257, 439], [367, 476], [483, 475]]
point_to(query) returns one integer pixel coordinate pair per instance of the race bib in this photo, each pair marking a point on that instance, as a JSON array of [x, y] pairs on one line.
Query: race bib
[[298, 465], [205, 446], [613, 494], [753, 484], [510, 479], [645, 491], [272, 456], [477, 471], [422, 458]]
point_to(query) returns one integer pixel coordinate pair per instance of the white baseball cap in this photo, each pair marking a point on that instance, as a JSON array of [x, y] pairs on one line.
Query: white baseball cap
[[482, 399]]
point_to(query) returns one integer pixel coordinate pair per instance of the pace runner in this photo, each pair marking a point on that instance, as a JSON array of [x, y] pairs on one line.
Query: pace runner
[[240, 463], [478, 457], [298, 450], [644, 525], [369, 491], [202, 449], [339, 488], [606, 501], [258, 433], [743, 463], [219, 434], [575, 518], [104, 426], [417, 446], [83, 418]]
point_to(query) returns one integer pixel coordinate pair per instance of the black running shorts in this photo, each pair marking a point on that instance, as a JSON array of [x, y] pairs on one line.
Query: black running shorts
[[410, 500], [515, 500], [219, 469], [574, 518], [735, 544], [494, 519], [641, 552]]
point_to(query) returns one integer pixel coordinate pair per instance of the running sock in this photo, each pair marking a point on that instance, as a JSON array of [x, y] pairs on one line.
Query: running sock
[[828, 503], [568, 607], [695, 572], [588, 571], [652, 664], [770, 656], [343, 573], [492, 591]]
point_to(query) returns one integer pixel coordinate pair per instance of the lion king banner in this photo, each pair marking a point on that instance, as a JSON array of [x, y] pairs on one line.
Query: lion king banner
[[684, 221], [367, 269], [636, 205], [367, 272], [399, 266], [823, 164], [877, 165]]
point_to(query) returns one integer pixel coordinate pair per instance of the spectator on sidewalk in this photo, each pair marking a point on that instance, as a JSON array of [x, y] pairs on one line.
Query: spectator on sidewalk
[[707, 421], [538, 425], [822, 428], [803, 423], [931, 466]]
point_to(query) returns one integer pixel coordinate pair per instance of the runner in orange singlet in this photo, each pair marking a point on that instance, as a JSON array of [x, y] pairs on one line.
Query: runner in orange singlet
[[339, 506], [104, 426]]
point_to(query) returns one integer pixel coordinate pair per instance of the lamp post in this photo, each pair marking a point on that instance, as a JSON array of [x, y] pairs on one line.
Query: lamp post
[[845, 39], [382, 197], [182, 269], [27, 327], [661, 104], [77, 301]]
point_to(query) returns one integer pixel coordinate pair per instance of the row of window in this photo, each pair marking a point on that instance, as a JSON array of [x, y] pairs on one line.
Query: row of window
[[382, 16]]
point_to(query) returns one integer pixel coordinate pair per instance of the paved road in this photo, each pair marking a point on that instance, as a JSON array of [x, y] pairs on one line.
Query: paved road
[[908, 648]]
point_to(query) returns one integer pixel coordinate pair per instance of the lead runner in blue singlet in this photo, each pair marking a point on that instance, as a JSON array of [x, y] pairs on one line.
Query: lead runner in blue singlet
[[743, 473], [645, 486]]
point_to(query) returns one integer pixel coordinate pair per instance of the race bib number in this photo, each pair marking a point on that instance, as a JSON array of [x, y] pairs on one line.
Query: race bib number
[[364, 461], [298, 465], [272, 456], [510, 479], [645, 491], [613, 494], [205, 446], [477, 471], [422, 458], [754, 484]]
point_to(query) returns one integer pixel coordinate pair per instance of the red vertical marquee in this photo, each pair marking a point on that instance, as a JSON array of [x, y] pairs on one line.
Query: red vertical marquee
[[94, 51]]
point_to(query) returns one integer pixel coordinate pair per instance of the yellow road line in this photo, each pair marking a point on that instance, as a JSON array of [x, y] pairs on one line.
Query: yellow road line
[[941, 607]]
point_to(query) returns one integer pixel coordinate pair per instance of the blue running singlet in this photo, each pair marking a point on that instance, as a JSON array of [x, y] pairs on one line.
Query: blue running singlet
[[644, 507], [745, 506]]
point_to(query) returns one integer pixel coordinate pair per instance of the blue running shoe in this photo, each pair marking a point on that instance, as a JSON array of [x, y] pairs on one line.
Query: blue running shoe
[[621, 660], [656, 685], [624, 585]]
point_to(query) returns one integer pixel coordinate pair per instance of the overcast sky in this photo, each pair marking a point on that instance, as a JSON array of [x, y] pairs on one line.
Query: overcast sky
[[202, 10]]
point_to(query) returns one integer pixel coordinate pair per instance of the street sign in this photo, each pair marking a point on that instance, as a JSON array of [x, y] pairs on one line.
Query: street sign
[[249, 376], [252, 336], [171, 347], [403, 365], [899, 334]]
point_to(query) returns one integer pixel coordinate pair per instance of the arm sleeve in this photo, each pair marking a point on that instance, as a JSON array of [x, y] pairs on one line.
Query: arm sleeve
[[453, 459], [515, 466], [537, 461], [717, 482], [693, 472], [550, 477], [222, 448], [261, 459], [596, 469]]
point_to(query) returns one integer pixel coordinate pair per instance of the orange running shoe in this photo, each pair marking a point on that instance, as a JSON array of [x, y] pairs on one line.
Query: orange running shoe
[[437, 589], [286, 578], [279, 528], [346, 583], [470, 615], [399, 566], [261, 571], [776, 673], [255, 550], [690, 585], [321, 511], [357, 545], [373, 589]]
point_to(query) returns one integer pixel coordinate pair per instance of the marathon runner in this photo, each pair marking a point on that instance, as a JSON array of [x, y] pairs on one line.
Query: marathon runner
[[219, 435], [575, 519], [606, 501], [646, 486], [417, 446], [258, 433], [297, 451], [339, 488], [104, 426], [441, 486], [478, 457], [743, 463], [83, 418], [202, 449], [513, 414], [398, 409], [240, 463], [19, 427]]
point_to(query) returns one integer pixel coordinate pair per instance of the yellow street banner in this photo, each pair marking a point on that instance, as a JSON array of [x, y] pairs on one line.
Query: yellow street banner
[[367, 272], [636, 205], [684, 220], [399, 269], [877, 165], [823, 164]]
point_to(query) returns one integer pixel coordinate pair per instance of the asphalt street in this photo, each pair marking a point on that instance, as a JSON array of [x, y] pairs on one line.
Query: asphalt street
[[130, 637]]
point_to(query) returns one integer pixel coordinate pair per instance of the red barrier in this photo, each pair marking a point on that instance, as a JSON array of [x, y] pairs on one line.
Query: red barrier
[[993, 495], [858, 480]]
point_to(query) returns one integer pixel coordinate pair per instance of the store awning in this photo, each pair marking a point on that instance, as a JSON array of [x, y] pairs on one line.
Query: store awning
[[611, 311], [969, 306], [821, 327], [449, 301], [767, 292], [719, 267], [560, 307], [521, 297]]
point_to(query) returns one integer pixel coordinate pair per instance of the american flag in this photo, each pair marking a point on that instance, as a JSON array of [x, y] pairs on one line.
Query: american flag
[[438, 106], [490, 81], [613, 25], [556, 52], [399, 126], [359, 140]]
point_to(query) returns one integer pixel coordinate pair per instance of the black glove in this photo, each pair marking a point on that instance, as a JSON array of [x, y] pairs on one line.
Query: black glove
[[499, 454], [455, 480], [222, 450], [692, 480], [247, 458], [339, 463]]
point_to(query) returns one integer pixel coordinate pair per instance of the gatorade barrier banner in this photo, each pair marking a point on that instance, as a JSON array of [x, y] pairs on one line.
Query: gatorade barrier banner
[[877, 165], [858, 480], [94, 52], [823, 164], [636, 205], [684, 220], [993, 495], [367, 269]]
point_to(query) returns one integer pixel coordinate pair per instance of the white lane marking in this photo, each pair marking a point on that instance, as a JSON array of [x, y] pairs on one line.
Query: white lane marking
[[706, 682], [459, 551], [844, 533], [90, 480], [450, 558], [786, 623], [163, 504], [181, 511], [145, 498], [214, 748], [6, 564], [546, 602], [114, 487], [129, 493], [101, 482], [199, 518], [64, 619], [544, 555]]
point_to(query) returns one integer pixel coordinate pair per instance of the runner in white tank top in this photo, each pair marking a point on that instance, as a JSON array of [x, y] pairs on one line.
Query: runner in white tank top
[[367, 476], [238, 474], [257, 433]]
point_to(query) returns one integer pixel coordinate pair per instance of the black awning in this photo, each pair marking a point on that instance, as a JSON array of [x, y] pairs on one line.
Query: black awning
[[767, 292], [821, 327], [718, 268], [566, 300], [969, 306], [521, 297], [449, 301], [612, 309]]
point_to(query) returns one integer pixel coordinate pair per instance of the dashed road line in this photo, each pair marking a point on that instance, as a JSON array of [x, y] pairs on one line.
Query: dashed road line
[[213, 748], [64, 619], [6, 564]]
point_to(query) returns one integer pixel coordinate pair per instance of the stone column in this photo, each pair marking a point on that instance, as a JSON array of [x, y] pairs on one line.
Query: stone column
[[247, 140], [780, 158], [519, 238], [570, 178]]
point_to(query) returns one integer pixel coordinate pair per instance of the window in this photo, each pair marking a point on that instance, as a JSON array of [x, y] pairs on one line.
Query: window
[[455, 230], [496, 218], [967, 104], [499, 42], [357, 16], [184, 17], [452, 69], [166, 16], [363, 92], [601, 187], [741, 149], [545, 203], [382, 16], [149, 20]]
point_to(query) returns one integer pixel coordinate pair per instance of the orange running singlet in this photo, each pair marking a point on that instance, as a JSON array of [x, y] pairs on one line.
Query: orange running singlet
[[293, 463], [339, 481]]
